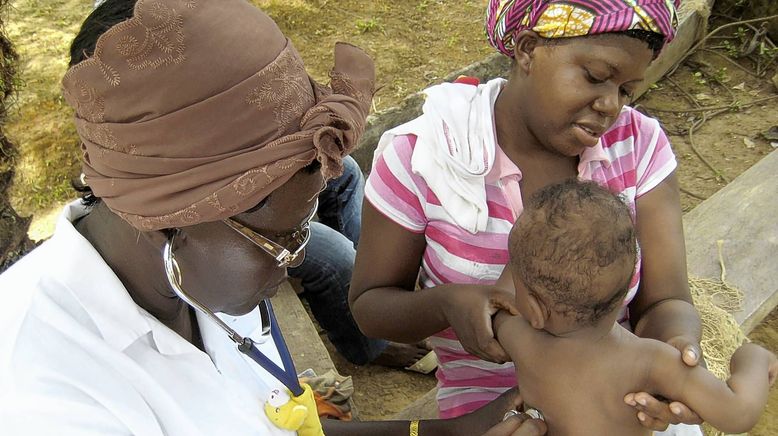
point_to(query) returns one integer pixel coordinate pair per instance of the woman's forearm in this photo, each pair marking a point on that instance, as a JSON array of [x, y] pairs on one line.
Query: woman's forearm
[[668, 319], [399, 315]]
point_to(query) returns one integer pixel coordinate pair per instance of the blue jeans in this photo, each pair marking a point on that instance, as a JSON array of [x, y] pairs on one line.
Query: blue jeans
[[329, 261]]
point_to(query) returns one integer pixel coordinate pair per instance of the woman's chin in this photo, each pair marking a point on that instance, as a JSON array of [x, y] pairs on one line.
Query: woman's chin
[[252, 303]]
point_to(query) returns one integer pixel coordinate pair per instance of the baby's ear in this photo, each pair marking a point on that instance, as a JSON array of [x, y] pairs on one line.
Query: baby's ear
[[538, 313]]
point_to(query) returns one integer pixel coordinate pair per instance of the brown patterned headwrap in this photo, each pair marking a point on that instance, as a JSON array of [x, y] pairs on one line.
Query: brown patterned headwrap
[[195, 110]]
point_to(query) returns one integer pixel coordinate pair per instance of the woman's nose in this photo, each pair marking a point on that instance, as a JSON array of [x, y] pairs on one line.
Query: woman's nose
[[609, 104]]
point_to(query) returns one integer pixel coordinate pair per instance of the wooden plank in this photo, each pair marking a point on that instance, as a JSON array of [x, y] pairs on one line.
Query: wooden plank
[[693, 21], [744, 214], [301, 336]]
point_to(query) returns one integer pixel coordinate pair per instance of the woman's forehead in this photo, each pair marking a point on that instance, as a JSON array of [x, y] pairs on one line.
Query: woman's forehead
[[288, 205], [619, 53]]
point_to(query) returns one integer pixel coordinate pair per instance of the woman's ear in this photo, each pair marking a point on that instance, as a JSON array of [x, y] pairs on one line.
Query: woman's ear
[[525, 43], [538, 313]]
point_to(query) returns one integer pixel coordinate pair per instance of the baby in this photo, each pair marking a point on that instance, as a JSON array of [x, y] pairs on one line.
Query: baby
[[573, 254]]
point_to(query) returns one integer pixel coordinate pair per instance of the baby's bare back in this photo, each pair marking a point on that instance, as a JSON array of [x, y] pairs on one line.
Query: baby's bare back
[[579, 386]]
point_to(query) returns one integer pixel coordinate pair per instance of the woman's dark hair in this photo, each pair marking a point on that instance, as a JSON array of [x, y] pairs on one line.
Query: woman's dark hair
[[108, 14], [654, 40]]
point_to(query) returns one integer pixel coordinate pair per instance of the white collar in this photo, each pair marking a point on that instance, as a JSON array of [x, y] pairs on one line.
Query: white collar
[[120, 321]]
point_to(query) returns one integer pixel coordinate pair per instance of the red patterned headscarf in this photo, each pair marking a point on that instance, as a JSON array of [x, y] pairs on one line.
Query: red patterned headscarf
[[569, 18]]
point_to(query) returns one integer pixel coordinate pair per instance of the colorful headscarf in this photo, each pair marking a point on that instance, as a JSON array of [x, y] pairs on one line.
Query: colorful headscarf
[[569, 18], [195, 110]]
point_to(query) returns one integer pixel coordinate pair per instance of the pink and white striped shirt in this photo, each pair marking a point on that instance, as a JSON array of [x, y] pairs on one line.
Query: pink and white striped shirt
[[632, 158]]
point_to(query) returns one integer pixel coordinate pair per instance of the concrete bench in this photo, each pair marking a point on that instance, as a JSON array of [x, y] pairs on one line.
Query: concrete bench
[[302, 338]]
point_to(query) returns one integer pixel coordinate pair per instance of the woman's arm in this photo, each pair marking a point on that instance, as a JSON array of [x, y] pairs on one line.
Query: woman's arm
[[383, 304], [516, 426], [486, 421], [662, 308]]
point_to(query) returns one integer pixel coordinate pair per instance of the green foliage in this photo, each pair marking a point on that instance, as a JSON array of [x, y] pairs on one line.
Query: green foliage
[[367, 25]]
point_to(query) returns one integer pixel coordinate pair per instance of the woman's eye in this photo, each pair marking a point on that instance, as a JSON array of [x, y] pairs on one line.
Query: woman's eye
[[593, 79]]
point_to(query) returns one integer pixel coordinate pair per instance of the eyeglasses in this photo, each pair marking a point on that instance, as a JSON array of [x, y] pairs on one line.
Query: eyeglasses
[[286, 257]]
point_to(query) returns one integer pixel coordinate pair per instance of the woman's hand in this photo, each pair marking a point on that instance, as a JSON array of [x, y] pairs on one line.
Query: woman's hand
[[469, 311], [657, 415], [518, 425], [489, 419]]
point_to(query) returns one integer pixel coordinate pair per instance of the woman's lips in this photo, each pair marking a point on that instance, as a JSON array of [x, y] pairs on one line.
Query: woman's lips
[[585, 135]]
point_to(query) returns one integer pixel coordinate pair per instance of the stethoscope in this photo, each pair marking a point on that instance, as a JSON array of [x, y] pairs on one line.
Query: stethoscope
[[286, 375]]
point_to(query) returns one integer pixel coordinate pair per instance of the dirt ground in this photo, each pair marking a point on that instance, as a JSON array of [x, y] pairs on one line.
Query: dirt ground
[[414, 42]]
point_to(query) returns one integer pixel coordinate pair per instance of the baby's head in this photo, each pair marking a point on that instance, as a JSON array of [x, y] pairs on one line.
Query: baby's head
[[573, 252]]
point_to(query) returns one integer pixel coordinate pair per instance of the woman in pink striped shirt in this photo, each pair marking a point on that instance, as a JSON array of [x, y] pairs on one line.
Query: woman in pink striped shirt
[[446, 188]]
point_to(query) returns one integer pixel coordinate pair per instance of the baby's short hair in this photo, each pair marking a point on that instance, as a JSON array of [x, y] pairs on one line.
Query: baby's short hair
[[574, 246]]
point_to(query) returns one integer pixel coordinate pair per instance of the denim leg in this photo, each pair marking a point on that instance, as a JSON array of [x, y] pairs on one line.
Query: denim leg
[[340, 204], [326, 276]]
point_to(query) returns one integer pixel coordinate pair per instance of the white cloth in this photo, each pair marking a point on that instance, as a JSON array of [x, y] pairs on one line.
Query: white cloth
[[78, 356], [455, 147], [680, 430]]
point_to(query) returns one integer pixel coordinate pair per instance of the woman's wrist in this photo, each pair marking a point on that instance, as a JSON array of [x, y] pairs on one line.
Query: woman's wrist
[[413, 428]]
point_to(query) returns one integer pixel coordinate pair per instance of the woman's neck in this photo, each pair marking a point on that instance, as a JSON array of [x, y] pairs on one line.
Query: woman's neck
[[539, 165], [138, 264]]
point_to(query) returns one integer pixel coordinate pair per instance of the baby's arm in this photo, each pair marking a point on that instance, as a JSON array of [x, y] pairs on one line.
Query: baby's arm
[[732, 407]]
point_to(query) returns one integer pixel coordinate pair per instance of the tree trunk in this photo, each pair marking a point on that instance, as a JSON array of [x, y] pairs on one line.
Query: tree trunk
[[14, 242]]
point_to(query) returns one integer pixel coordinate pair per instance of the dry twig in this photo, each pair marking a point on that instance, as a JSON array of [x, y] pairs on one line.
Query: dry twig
[[733, 105]]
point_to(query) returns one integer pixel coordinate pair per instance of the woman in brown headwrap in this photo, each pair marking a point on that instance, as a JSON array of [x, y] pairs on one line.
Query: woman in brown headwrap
[[446, 188], [205, 144]]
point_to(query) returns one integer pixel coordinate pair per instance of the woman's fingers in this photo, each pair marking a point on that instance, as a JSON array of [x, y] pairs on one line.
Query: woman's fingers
[[691, 352], [651, 423], [483, 344], [518, 425], [531, 427], [471, 319], [657, 415], [503, 301], [684, 414]]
